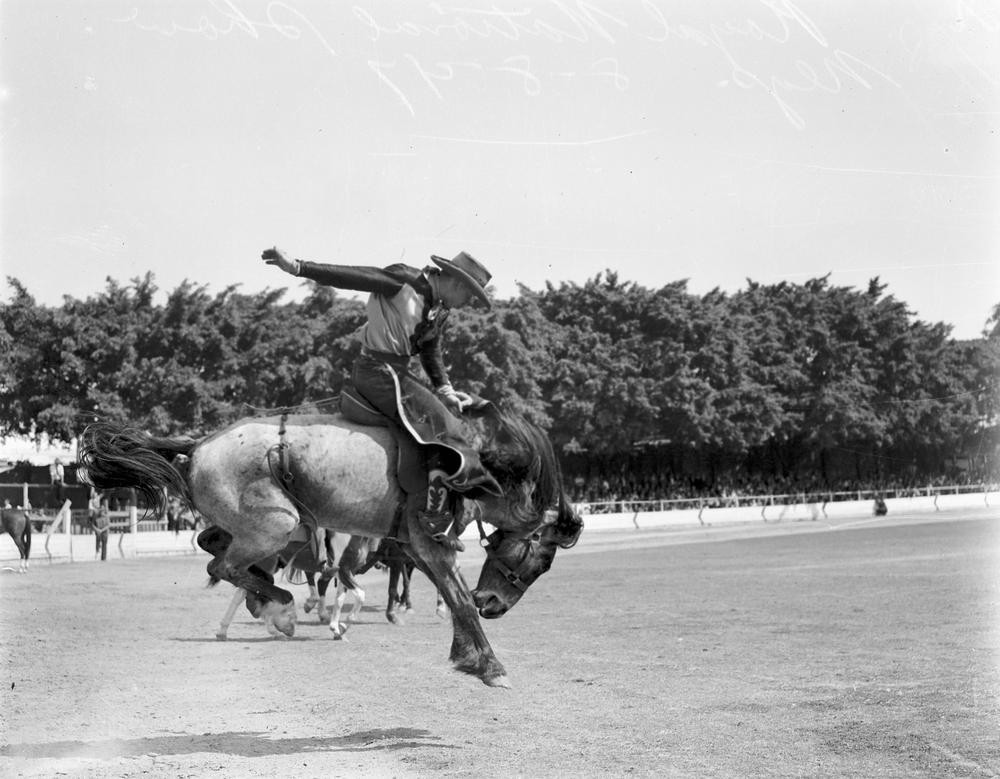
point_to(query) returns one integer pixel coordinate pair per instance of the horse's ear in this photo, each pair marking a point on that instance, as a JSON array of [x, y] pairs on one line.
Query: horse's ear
[[568, 524]]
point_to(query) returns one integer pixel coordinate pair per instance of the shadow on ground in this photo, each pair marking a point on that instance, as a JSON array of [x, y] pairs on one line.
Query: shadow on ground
[[234, 743]]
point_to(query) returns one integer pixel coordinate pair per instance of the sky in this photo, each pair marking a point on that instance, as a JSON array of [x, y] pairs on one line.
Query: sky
[[712, 141]]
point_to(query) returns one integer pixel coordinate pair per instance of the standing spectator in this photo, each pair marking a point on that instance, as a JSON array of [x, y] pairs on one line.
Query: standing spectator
[[94, 504], [100, 521], [56, 476]]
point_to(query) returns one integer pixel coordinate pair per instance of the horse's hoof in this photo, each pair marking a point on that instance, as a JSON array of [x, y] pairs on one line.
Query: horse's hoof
[[497, 681], [220, 636], [394, 619], [324, 619]]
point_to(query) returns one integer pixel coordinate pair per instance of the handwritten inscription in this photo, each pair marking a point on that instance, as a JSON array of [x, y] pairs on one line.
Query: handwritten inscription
[[227, 18], [512, 45]]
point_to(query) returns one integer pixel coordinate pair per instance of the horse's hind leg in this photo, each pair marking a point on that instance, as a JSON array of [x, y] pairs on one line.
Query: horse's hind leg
[[22, 552], [265, 533], [392, 607], [405, 574], [27, 545]]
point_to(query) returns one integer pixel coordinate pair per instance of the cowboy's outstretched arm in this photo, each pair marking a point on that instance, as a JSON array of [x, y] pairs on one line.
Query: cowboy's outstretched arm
[[354, 277]]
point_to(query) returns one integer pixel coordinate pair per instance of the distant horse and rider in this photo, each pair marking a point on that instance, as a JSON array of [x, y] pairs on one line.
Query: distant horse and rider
[[17, 524]]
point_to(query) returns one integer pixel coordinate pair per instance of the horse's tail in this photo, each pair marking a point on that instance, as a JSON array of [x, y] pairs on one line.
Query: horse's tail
[[115, 456]]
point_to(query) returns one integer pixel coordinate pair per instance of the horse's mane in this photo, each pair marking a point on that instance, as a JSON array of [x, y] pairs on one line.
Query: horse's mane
[[520, 456]]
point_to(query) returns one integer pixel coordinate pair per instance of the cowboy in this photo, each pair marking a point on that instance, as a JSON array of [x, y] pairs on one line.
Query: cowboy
[[407, 309]]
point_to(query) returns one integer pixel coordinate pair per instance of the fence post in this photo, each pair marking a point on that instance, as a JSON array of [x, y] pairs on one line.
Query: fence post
[[67, 516], [24, 496]]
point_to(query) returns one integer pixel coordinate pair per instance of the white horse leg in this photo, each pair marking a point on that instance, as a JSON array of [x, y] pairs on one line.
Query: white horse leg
[[227, 618], [336, 626], [359, 601]]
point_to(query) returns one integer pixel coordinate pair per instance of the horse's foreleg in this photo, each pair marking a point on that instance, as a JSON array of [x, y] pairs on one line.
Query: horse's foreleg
[[391, 611], [313, 597], [238, 597], [406, 574], [322, 586], [470, 650]]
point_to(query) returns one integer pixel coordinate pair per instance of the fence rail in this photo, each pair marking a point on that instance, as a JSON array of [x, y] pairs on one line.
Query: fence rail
[[783, 499]]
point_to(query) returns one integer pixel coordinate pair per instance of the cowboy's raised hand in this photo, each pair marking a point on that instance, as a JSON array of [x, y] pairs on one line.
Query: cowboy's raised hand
[[273, 256]]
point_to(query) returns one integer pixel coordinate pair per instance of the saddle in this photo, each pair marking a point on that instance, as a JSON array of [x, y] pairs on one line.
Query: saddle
[[419, 441], [416, 444]]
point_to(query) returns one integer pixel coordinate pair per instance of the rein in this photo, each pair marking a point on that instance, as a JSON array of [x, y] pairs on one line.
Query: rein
[[513, 577]]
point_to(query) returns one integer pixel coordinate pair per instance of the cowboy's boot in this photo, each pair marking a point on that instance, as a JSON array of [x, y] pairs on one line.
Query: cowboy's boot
[[436, 518]]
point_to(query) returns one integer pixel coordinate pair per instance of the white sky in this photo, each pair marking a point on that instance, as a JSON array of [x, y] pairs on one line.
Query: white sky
[[712, 141]]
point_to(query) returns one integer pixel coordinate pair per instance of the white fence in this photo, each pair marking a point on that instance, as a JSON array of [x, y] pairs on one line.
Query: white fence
[[132, 537], [692, 512]]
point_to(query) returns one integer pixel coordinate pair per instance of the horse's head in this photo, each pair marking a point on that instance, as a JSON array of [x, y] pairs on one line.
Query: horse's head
[[514, 560], [533, 519]]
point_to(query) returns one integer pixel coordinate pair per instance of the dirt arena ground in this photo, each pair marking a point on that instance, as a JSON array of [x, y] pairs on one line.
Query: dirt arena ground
[[867, 648]]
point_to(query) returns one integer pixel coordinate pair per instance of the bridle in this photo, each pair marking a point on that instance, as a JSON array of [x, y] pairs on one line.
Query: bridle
[[512, 576], [531, 541]]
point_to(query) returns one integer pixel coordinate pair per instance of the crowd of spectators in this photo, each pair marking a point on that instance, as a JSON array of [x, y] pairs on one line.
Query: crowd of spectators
[[681, 491]]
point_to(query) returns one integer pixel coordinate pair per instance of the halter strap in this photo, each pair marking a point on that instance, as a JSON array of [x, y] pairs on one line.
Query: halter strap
[[513, 577]]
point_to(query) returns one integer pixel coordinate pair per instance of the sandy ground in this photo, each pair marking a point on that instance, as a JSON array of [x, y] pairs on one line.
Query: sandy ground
[[854, 649]]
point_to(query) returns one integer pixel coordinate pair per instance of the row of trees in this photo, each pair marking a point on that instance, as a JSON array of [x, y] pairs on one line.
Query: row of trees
[[773, 377]]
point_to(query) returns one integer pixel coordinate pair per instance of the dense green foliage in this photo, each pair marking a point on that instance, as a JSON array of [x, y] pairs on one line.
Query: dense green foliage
[[773, 377]]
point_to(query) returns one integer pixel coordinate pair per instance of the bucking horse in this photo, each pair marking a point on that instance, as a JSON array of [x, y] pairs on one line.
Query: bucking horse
[[263, 480]]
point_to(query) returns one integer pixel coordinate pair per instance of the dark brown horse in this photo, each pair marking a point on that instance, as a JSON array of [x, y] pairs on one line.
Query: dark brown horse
[[400, 566], [260, 478], [17, 523]]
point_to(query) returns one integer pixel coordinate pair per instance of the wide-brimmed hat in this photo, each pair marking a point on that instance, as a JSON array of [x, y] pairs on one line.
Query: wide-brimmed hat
[[468, 269]]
